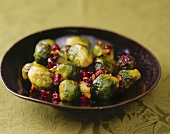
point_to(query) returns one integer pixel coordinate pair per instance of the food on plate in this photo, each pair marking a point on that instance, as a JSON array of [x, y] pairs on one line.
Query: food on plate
[[69, 90], [81, 55], [42, 50], [40, 76], [104, 87], [103, 62], [77, 72], [128, 77], [77, 40], [68, 70]]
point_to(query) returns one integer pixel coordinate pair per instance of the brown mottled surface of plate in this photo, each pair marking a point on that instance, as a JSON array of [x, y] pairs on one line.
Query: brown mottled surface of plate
[[22, 52]]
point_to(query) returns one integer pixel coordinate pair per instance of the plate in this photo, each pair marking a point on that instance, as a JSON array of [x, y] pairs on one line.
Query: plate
[[22, 52]]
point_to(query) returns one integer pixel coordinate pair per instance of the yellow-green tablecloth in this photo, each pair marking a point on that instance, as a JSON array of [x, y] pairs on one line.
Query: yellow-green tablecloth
[[145, 21]]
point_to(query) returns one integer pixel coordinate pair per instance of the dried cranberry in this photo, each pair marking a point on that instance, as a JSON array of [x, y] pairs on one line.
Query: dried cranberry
[[83, 73], [57, 79], [107, 46], [56, 47], [88, 82], [100, 71], [55, 97], [90, 72], [45, 95], [79, 81], [50, 62]]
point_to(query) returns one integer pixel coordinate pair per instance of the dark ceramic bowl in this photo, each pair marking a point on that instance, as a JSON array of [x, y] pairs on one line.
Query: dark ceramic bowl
[[22, 52]]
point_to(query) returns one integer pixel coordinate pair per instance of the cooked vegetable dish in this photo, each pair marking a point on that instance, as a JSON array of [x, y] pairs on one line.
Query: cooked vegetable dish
[[79, 71]]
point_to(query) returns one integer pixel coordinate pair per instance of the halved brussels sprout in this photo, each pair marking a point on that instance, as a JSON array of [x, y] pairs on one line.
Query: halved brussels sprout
[[68, 70], [85, 89], [103, 62], [128, 77], [25, 70], [77, 40], [81, 55], [40, 77], [42, 51], [69, 90], [104, 87]]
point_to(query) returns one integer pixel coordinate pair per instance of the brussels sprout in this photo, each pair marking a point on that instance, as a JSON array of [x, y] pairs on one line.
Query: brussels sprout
[[42, 50], [68, 70], [104, 87], [69, 90], [128, 77], [39, 76], [47, 41], [126, 62], [62, 55], [103, 62], [77, 40], [25, 70], [81, 55], [103, 48]]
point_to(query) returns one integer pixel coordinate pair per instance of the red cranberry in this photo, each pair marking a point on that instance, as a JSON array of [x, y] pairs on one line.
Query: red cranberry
[[100, 71], [107, 47], [121, 87], [45, 95], [50, 62], [55, 97], [83, 98], [90, 72], [54, 55], [57, 79], [88, 82], [83, 73], [56, 47]]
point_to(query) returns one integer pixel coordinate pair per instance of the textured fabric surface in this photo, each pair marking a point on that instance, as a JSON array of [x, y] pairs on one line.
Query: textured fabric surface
[[147, 22]]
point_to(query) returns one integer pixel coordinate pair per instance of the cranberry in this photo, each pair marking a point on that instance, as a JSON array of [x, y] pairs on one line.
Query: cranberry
[[100, 71], [52, 76], [42, 92], [83, 73], [90, 72], [55, 97], [45, 95], [56, 47], [57, 79], [79, 81], [88, 82], [107, 46], [83, 98], [50, 62]]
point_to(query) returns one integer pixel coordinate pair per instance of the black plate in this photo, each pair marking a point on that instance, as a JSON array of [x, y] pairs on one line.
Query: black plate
[[22, 52]]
